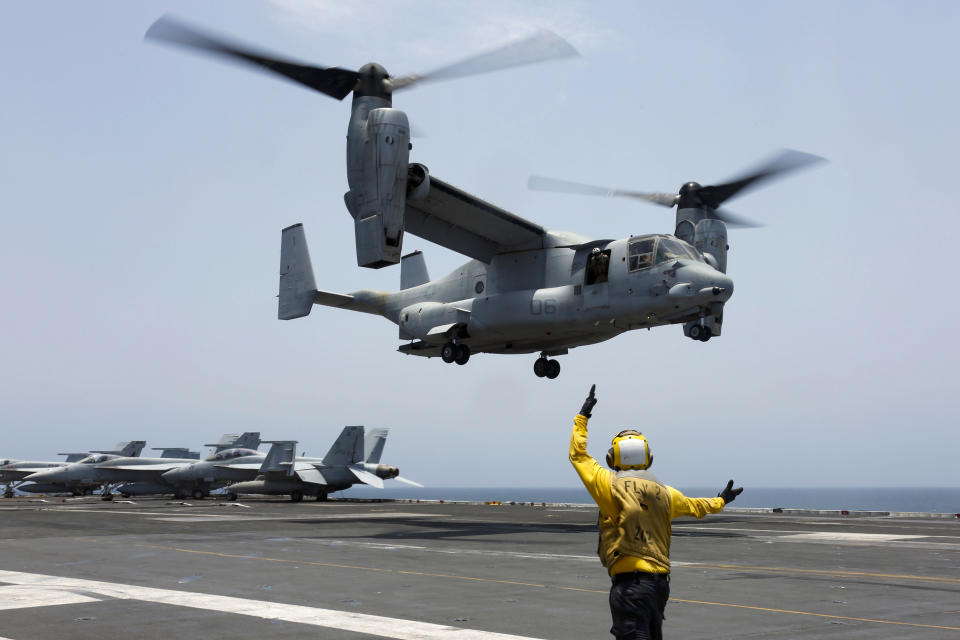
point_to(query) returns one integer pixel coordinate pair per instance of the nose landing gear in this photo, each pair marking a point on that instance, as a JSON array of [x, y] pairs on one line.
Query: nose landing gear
[[543, 367]]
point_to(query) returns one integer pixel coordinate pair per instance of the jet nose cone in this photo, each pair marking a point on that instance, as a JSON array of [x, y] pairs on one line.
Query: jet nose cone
[[723, 286]]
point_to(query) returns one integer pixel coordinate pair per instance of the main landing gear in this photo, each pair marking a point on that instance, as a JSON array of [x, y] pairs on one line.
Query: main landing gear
[[453, 352], [543, 367], [700, 332]]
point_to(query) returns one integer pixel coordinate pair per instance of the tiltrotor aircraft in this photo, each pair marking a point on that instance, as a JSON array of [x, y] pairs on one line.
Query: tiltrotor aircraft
[[526, 289]]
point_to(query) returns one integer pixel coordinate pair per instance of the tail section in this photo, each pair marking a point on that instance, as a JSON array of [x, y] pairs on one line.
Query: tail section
[[247, 440], [373, 443], [177, 452], [347, 449], [297, 284], [413, 270], [130, 449], [280, 458]]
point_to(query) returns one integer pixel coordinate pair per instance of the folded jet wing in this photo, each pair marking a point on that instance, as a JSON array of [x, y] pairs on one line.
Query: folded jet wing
[[466, 224]]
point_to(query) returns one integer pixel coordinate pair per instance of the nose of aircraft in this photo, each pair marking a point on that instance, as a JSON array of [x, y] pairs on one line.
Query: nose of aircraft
[[43, 477]]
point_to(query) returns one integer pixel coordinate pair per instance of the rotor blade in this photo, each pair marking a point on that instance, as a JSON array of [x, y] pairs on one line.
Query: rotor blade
[[333, 81], [544, 46], [406, 481], [539, 183], [733, 219], [786, 161]]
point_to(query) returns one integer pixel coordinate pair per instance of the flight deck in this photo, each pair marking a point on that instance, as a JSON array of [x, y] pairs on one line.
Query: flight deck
[[81, 568]]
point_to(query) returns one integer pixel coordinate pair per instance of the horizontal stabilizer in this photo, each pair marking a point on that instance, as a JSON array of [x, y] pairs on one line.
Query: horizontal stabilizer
[[366, 477], [297, 284], [328, 299]]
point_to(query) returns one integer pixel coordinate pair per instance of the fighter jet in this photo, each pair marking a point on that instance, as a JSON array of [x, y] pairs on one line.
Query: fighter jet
[[154, 481], [14, 473], [354, 457], [105, 470], [218, 470]]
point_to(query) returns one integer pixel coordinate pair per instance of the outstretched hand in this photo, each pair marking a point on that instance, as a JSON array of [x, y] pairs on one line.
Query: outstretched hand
[[589, 402], [729, 494]]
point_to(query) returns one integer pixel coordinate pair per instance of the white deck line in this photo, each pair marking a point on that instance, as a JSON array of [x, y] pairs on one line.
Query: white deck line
[[380, 626]]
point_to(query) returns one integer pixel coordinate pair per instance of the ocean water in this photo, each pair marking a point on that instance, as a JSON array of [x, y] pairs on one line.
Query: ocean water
[[929, 499]]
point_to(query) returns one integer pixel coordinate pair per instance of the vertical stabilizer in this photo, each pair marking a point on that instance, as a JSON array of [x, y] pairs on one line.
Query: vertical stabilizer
[[280, 457], [347, 449], [177, 452], [297, 285], [247, 440], [373, 443], [413, 270], [130, 449]]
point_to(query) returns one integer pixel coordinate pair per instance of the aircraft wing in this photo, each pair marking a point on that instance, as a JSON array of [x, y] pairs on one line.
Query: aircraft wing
[[145, 467], [466, 224], [311, 475]]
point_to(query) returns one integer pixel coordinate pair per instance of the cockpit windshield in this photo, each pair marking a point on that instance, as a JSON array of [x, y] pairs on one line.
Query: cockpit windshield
[[95, 459], [229, 454], [646, 251], [673, 249]]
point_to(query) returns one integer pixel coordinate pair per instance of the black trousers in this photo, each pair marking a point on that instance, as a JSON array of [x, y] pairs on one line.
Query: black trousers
[[637, 601]]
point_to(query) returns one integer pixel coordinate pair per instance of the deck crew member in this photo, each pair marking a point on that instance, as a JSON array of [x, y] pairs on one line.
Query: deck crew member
[[635, 514]]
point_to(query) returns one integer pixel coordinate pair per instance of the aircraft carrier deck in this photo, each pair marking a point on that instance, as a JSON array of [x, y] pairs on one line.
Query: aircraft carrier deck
[[156, 568]]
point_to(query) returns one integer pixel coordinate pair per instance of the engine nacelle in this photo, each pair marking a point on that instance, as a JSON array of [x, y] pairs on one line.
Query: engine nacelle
[[711, 237], [378, 151], [433, 321]]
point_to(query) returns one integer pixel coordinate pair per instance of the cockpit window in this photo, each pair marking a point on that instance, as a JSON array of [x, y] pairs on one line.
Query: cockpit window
[[641, 253], [670, 249], [229, 454], [96, 459]]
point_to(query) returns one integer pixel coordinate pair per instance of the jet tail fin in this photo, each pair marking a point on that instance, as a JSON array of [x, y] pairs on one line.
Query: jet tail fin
[[373, 443], [177, 452], [297, 284], [280, 458], [247, 440], [347, 448], [130, 449]]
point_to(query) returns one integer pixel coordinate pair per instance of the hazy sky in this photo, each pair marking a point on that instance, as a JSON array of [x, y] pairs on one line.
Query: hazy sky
[[143, 190]]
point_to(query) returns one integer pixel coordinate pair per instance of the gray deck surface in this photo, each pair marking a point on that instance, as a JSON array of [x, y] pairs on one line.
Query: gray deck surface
[[87, 569]]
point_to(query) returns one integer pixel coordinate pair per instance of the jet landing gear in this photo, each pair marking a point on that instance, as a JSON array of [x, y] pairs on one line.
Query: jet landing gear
[[701, 333], [452, 352], [543, 367]]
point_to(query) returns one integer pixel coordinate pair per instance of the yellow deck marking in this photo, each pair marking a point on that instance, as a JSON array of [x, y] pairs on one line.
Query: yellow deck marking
[[838, 573], [601, 591]]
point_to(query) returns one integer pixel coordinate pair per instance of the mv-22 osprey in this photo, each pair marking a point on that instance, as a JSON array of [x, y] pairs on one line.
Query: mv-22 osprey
[[526, 289]]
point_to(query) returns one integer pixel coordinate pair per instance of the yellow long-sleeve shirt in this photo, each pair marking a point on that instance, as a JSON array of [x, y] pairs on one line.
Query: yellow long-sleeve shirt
[[599, 484]]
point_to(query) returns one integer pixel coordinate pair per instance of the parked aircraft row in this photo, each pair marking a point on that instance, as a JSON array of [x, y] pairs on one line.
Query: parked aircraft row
[[234, 463]]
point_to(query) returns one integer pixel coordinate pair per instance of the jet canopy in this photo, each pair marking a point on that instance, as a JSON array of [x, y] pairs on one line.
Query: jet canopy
[[96, 459], [229, 454], [647, 251]]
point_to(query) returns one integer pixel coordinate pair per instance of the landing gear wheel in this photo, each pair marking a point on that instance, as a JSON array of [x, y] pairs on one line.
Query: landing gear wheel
[[296, 496], [322, 497], [448, 352], [540, 367], [199, 494], [707, 334], [107, 497], [8, 494], [126, 496], [232, 497], [696, 332], [462, 354], [553, 369], [77, 493]]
